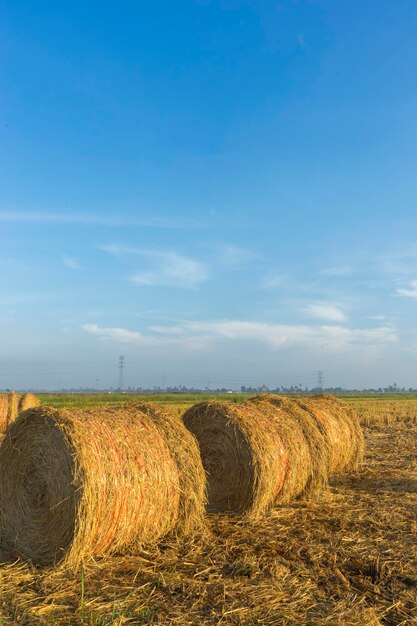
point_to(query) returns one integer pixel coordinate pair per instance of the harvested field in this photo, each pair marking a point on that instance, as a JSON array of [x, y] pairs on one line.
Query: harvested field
[[377, 411], [349, 559]]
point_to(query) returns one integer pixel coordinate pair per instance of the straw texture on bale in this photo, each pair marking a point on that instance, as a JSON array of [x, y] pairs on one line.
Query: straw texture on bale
[[27, 401], [8, 409], [80, 483], [340, 426], [11, 404], [192, 478], [309, 452], [243, 454]]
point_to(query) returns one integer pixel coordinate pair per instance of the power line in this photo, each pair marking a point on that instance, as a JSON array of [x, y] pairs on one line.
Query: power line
[[121, 372], [320, 380]]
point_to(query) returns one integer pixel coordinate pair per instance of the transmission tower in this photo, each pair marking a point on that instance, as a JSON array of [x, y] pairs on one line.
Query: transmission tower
[[121, 372], [320, 380]]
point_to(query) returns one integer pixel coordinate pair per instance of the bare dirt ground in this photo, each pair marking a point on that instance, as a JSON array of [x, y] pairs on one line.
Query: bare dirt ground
[[350, 559]]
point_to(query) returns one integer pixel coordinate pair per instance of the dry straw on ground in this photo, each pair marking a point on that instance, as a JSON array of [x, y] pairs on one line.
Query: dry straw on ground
[[340, 426], [11, 404], [243, 453], [309, 451], [84, 483]]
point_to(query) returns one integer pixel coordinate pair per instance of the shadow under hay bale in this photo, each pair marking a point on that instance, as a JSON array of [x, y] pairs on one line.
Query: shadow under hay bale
[[340, 426], [309, 451], [82, 483], [243, 454], [11, 404]]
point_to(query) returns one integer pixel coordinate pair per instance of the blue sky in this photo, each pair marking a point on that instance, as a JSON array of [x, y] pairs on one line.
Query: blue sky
[[223, 191]]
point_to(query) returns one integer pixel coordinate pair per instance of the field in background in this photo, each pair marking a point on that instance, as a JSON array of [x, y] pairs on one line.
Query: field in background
[[381, 409]]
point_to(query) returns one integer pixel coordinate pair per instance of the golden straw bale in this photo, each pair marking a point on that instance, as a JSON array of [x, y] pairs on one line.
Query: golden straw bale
[[308, 465], [340, 425], [11, 404], [4, 412], [80, 483], [8, 409], [192, 477], [28, 401], [243, 453]]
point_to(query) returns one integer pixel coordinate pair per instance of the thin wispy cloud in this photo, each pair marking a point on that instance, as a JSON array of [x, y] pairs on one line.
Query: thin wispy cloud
[[70, 262], [410, 291], [118, 249], [235, 256], [300, 40], [172, 270], [165, 268], [400, 262], [118, 335], [273, 281], [338, 270], [152, 339], [89, 219], [325, 311]]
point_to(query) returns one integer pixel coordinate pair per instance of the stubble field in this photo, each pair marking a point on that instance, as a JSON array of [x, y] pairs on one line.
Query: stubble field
[[349, 558]]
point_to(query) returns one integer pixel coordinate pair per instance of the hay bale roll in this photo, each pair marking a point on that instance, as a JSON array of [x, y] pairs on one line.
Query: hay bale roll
[[340, 426], [8, 410], [192, 478], [11, 404], [309, 452], [80, 483], [28, 401], [243, 454]]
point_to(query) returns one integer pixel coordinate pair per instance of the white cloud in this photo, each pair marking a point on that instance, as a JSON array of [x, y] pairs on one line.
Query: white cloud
[[167, 330], [278, 334], [70, 262], [410, 292], [120, 335], [163, 267], [171, 269], [203, 334], [325, 311]]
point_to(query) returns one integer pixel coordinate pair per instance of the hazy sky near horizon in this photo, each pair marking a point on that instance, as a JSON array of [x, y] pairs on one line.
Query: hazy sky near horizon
[[223, 191]]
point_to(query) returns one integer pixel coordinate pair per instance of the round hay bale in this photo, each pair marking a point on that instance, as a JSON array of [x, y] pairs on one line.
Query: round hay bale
[[340, 426], [243, 455], [11, 404], [8, 409], [309, 452], [192, 477], [80, 483], [28, 401]]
